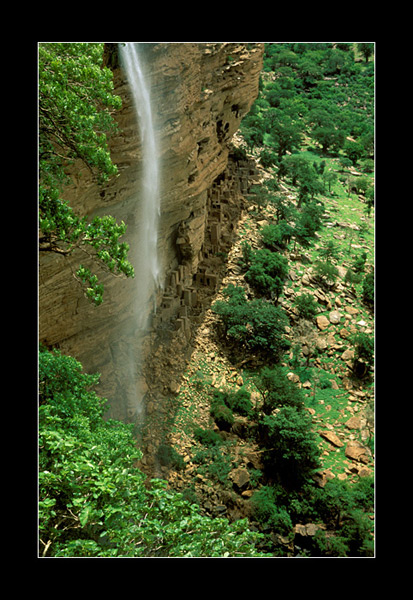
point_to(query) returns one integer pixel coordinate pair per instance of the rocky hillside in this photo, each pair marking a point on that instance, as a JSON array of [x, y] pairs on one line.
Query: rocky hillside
[[340, 404]]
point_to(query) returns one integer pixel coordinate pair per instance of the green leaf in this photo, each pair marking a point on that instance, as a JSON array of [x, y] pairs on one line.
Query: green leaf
[[84, 515]]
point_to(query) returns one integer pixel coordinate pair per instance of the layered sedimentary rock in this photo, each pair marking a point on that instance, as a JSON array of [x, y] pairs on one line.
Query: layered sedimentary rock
[[199, 92]]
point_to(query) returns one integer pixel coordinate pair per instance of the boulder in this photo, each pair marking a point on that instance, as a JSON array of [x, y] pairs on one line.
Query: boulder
[[321, 343], [334, 316], [348, 354], [357, 452], [240, 478], [331, 437], [322, 322], [353, 423], [309, 529]]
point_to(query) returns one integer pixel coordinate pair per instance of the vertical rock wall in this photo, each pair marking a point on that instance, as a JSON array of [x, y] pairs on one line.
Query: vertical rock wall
[[200, 92]]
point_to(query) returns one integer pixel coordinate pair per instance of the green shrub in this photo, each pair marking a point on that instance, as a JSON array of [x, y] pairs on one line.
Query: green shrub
[[93, 501], [169, 457], [256, 325], [368, 289], [207, 437], [239, 402], [306, 305], [268, 513], [276, 237], [291, 448], [325, 272], [277, 390], [267, 272], [222, 415], [363, 353]]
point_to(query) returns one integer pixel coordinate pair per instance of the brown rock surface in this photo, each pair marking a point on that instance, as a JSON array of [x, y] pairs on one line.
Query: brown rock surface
[[200, 92]]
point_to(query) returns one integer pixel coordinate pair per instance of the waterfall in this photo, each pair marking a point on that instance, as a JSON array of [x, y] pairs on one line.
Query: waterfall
[[143, 252]]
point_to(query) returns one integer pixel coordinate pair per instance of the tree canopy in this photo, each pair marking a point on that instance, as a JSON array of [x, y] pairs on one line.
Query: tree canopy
[[76, 106]]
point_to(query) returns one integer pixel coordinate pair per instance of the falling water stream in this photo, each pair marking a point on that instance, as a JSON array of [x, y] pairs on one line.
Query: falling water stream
[[144, 253], [143, 248]]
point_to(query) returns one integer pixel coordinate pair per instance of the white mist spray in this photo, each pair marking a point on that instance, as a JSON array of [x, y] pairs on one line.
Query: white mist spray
[[144, 254], [143, 249]]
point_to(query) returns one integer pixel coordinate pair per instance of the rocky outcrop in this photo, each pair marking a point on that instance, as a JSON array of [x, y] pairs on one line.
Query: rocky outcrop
[[200, 92]]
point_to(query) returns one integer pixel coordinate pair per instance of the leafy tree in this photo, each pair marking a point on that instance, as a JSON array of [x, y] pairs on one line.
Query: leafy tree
[[329, 178], [76, 103], [329, 137], [93, 501], [277, 390], [366, 49], [276, 237], [329, 251], [255, 325], [354, 151], [284, 131], [308, 223], [267, 272], [291, 449]]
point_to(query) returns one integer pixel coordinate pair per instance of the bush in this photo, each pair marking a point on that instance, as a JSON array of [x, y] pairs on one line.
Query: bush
[[239, 402], [277, 390], [364, 353], [256, 325], [267, 272], [368, 289], [207, 437], [307, 306], [292, 452], [325, 272], [266, 511], [276, 237], [222, 415], [169, 457], [93, 501]]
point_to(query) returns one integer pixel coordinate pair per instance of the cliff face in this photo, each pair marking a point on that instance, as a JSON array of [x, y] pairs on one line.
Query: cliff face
[[199, 92]]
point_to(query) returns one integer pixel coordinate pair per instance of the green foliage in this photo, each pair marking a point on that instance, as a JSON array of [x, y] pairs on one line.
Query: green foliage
[[214, 463], [368, 288], [93, 501], [239, 402], [222, 415], [207, 437], [329, 251], [325, 272], [267, 272], [277, 390], [292, 452], [354, 151], [266, 511], [76, 103], [277, 237], [344, 508], [306, 305], [169, 457], [256, 325], [363, 352], [309, 221]]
